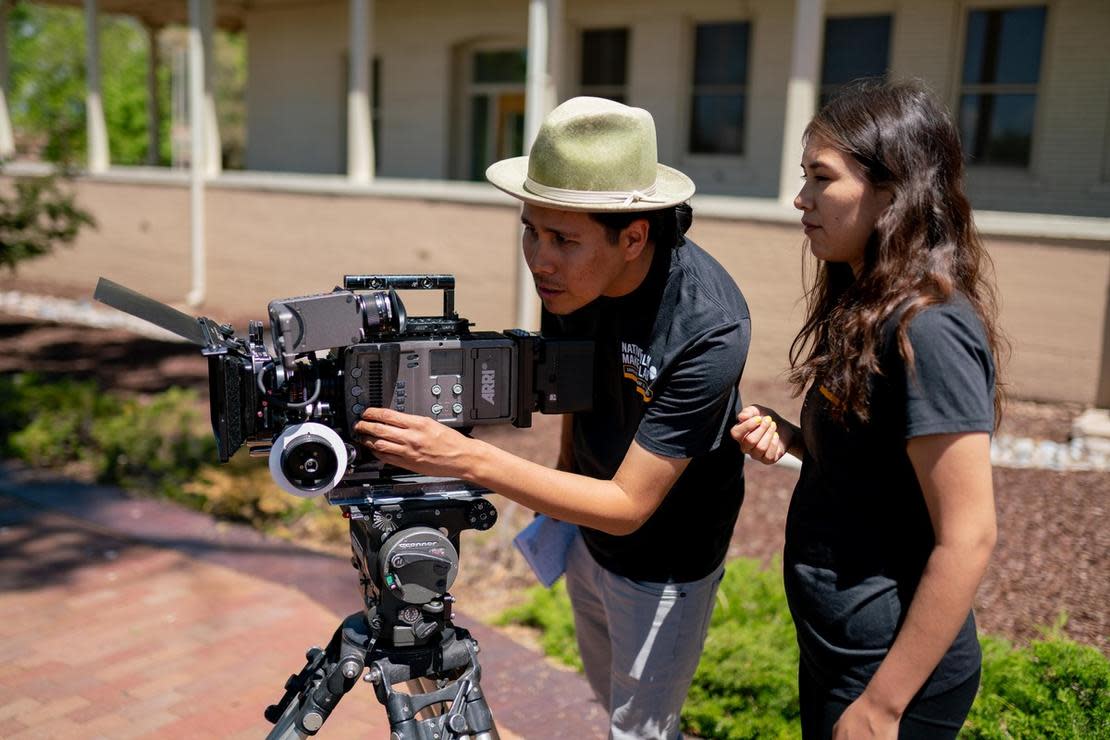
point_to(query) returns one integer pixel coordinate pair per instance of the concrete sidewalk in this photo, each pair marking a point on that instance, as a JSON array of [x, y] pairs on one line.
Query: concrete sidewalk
[[135, 618]]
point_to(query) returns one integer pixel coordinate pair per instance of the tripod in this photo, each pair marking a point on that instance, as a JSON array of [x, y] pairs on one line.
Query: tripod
[[404, 544]]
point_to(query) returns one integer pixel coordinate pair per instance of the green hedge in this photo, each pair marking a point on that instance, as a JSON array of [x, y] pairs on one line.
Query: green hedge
[[160, 444], [746, 682], [157, 443]]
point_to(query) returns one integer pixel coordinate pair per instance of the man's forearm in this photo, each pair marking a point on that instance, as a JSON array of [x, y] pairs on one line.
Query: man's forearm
[[578, 499]]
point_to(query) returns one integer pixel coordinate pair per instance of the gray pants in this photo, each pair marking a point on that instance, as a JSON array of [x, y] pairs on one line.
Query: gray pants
[[640, 642]]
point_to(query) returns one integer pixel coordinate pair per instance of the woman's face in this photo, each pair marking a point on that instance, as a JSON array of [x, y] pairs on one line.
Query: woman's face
[[839, 205]]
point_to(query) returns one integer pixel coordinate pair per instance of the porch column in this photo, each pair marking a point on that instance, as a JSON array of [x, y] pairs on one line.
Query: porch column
[[94, 110], [153, 111], [7, 140], [360, 135], [539, 94], [197, 164], [556, 38], [801, 90], [213, 154]]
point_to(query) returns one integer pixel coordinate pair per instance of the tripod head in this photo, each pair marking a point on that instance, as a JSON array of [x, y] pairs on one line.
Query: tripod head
[[405, 546]]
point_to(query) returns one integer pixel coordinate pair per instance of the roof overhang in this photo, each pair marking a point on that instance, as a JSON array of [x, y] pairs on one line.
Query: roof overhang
[[230, 14]]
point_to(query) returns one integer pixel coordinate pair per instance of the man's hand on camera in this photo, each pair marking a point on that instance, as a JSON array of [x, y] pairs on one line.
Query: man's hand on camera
[[415, 443]]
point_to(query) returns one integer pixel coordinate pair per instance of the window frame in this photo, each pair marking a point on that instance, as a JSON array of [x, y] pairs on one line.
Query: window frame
[[691, 92], [822, 87], [959, 89], [604, 91]]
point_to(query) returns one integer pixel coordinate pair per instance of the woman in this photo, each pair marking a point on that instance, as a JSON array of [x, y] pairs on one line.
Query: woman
[[892, 521]]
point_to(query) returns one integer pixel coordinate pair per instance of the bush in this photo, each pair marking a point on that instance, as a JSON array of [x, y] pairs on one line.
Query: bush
[[158, 443], [746, 682], [746, 685], [1053, 687], [548, 610], [35, 216], [47, 424]]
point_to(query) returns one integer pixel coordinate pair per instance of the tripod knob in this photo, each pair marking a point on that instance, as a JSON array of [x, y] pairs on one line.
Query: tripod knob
[[313, 721]]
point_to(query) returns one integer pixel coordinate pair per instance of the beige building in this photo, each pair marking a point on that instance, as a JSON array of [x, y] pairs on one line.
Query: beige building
[[730, 82], [388, 108], [1029, 81]]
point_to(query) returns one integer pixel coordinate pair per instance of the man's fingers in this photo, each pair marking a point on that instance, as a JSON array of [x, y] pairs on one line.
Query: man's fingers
[[378, 430], [384, 416]]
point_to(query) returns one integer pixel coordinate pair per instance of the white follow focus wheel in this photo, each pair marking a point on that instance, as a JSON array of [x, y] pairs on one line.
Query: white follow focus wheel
[[308, 459]]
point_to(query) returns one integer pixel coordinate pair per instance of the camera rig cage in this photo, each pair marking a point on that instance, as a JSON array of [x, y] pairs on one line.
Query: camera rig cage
[[332, 355]]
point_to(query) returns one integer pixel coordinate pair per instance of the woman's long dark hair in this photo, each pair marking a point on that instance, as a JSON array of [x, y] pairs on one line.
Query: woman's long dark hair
[[924, 247]]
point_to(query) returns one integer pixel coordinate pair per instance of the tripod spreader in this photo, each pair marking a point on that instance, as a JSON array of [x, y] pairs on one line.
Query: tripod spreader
[[452, 663]]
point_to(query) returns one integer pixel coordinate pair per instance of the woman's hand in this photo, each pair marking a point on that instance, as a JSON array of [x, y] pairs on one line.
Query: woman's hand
[[758, 433], [864, 719]]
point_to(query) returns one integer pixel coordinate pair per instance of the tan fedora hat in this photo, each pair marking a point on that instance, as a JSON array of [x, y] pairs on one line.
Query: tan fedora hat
[[593, 154]]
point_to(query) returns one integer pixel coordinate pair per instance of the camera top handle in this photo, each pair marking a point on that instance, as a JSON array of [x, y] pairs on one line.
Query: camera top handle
[[446, 283]]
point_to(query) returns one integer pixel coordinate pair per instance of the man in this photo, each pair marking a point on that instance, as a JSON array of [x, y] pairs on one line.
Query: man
[[649, 474]]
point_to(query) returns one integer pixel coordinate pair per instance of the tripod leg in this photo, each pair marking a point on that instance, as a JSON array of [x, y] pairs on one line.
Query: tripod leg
[[312, 695]]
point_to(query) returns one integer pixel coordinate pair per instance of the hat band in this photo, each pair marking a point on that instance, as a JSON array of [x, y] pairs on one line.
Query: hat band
[[593, 197]]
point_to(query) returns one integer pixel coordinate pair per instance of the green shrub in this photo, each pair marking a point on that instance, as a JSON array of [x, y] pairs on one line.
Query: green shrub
[[48, 423], [1053, 687], [548, 610], [157, 443], [746, 682], [746, 685]]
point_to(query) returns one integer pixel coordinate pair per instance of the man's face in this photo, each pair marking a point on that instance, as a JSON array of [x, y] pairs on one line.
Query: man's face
[[570, 257]]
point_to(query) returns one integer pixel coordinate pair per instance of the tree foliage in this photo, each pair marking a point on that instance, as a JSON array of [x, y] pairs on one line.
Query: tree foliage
[[36, 214], [48, 85]]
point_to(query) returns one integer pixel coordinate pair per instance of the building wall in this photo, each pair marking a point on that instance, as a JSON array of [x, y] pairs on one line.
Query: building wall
[[296, 101], [267, 245]]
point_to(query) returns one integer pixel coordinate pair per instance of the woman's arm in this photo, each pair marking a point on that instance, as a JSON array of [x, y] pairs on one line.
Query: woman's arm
[[955, 475]]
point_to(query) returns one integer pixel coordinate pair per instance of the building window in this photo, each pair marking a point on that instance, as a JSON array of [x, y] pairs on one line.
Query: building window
[[854, 47], [496, 95], [604, 70], [998, 92], [720, 88]]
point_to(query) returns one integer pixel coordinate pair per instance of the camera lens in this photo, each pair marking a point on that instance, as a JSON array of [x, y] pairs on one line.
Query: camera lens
[[309, 463], [308, 459]]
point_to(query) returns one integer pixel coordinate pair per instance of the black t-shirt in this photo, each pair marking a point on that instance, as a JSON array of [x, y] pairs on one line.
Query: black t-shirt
[[667, 361], [858, 532]]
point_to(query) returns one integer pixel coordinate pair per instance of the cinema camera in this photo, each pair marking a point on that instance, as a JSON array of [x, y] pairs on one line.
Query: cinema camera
[[331, 356]]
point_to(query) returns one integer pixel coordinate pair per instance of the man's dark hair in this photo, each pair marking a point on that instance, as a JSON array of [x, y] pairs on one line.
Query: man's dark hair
[[666, 226]]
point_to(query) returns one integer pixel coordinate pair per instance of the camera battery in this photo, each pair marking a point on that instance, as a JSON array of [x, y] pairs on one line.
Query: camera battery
[[491, 382]]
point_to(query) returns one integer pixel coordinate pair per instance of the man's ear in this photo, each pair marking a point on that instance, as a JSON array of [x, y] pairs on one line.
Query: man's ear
[[634, 238]]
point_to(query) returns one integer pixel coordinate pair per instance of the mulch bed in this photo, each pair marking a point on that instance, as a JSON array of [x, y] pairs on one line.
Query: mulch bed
[[1053, 553]]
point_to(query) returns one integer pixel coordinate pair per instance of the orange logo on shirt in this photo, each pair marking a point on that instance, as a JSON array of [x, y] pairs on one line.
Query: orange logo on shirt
[[636, 366]]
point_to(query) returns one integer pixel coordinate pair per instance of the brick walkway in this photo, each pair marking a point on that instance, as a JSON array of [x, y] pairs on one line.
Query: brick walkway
[[132, 618]]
